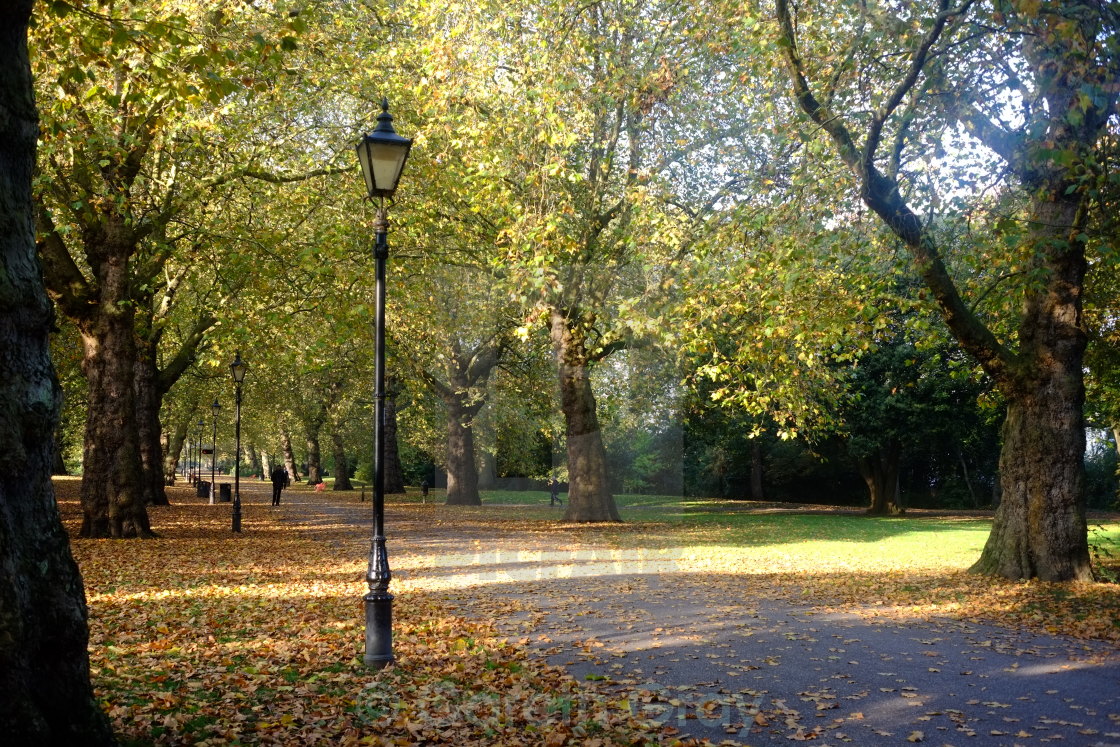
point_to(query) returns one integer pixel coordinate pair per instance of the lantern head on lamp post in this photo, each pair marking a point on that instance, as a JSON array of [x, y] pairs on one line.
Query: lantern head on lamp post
[[382, 154], [214, 408], [237, 370]]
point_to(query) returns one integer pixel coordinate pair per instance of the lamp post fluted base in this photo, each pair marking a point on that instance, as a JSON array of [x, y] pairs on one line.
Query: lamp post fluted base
[[236, 513], [379, 630]]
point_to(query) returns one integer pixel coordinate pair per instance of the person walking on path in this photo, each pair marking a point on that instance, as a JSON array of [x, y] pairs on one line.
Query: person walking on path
[[279, 482]]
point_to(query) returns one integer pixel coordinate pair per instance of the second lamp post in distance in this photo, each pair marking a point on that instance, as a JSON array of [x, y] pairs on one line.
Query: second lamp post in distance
[[214, 408], [237, 370]]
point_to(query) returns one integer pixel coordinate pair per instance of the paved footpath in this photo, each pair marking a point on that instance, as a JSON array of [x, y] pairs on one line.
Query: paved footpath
[[711, 661], [767, 672]]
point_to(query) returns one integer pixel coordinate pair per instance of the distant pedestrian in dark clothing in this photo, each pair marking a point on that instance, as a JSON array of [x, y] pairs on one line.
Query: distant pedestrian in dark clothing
[[424, 488], [554, 493], [279, 482]]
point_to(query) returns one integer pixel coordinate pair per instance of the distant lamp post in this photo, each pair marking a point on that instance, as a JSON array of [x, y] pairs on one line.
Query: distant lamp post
[[214, 408], [187, 463], [382, 154], [237, 370], [198, 455]]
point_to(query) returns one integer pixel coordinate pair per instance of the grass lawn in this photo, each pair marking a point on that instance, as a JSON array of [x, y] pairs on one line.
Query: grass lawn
[[946, 540], [910, 566]]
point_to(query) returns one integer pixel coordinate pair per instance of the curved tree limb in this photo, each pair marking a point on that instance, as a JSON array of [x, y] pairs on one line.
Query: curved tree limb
[[881, 194]]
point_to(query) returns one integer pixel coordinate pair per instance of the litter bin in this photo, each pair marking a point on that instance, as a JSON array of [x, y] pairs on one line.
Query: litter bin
[[225, 494], [202, 489]]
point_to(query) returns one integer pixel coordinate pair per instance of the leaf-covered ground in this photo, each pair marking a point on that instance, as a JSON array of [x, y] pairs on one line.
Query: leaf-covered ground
[[203, 637]]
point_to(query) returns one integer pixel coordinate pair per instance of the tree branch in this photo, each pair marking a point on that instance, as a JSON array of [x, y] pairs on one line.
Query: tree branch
[[65, 283], [603, 351], [881, 194], [169, 374], [1003, 143], [918, 60]]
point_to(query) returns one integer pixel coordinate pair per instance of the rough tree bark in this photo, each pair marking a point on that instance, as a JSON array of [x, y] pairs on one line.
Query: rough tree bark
[[103, 310], [589, 496], [1040, 528], [148, 428], [254, 458], [58, 464], [314, 457], [44, 665], [462, 472], [112, 492], [288, 454], [341, 465]]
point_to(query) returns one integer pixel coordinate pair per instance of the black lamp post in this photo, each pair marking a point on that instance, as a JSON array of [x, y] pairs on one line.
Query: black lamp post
[[198, 454], [214, 408], [187, 464], [382, 154], [237, 369]]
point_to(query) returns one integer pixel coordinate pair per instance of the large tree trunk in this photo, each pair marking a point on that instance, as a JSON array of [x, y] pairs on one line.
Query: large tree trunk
[[314, 457], [112, 482], [880, 473], [172, 445], [148, 401], [288, 454], [1040, 528], [464, 394], [254, 459], [394, 474], [341, 466], [462, 472], [589, 496], [44, 664]]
